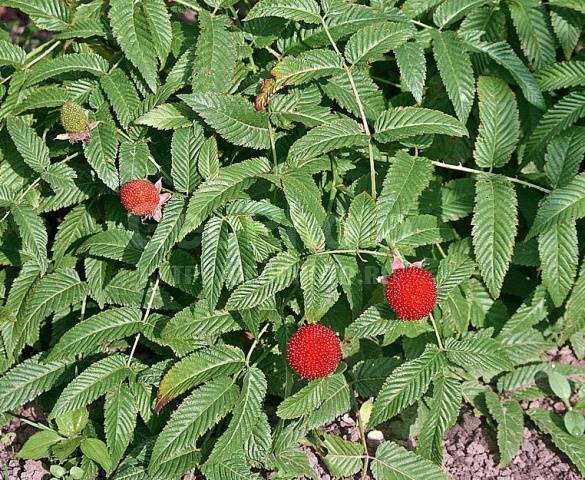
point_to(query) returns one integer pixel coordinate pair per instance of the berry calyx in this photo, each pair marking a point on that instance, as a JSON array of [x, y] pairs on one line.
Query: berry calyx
[[314, 351], [410, 291], [143, 198], [73, 117]]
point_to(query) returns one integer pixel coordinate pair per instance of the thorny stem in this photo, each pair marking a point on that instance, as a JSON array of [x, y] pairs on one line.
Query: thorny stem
[[272, 143], [34, 184], [334, 178], [360, 107], [144, 318], [441, 251], [362, 429], [37, 59], [36, 425], [461, 168], [439, 341], [255, 344], [354, 252], [188, 5], [420, 24]]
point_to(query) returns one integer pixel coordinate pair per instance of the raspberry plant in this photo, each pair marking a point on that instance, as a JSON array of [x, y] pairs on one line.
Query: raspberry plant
[[305, 146]]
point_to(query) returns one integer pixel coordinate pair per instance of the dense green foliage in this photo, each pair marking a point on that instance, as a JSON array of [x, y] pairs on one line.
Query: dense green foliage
[[304, 144]]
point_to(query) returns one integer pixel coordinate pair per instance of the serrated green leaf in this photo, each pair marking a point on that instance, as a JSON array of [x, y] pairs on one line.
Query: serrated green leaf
[[494, 229], [404, 122], [232, 117], [214, 243], [456, 71], [531, 25], [301, 10], [120, 412], [562, 204], [101, 152], [208, 159], [510, 420], [131, 30], [278, 274], [319, 285], [305, 214], [122, 96], [443, 412], [566, 32], [406, 385], [185, 147], [499, 128], [198, 322], [343, 458], [563, 156], [503, 55], [29, 379], [307, 66], [326, 138], [175, 449], [563, 114], [167, 116], [359, 228], [453, 271], [53, 293], [215, 55], [406, 179], [413, 68], [240, 259], [197, 368], [89, 335], [11, 54], [216, 192], [30, 146], [51, 15], [561, 75], [33, 234], [95, 381], [551, 424], [71, 62], [164, 237], [133, 159], [159, 26], [307, 399], [372, 42], [244, 416], [451, 11], [477, 352], [393, 462], [559, 256]]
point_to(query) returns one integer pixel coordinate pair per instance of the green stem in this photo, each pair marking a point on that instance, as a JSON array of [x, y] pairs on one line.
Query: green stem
[[255, 344], [362, 429], [144, 318], [353, 252], [272, 141], [334, 179], [461, 168], [360, 108], [37, 59], [188, 5], [439, 341]]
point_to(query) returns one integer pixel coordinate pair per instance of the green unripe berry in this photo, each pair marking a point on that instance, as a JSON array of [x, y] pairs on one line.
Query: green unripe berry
[[73, 117]]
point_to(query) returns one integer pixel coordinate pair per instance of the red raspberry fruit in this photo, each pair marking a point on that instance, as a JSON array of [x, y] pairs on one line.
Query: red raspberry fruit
[[314, 351], [142, 197], [411, 293]]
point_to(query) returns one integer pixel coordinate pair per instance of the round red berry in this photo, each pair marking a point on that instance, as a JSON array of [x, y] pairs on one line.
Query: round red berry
[[411, 292], [314, 351], [140, 197]]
